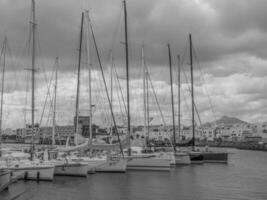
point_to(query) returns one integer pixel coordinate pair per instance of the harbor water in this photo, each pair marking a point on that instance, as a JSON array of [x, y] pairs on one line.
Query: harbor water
[[243, 178]]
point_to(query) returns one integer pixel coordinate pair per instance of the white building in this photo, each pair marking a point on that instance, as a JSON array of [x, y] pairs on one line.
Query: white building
[[156, 132], [187, 133], [260, 129], [235, 132], [207, 133]]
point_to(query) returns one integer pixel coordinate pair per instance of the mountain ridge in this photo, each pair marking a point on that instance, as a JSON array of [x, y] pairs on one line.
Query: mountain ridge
[[226, 120]]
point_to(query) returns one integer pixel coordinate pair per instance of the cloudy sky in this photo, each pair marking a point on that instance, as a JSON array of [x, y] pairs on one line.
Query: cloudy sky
[[229, 38]]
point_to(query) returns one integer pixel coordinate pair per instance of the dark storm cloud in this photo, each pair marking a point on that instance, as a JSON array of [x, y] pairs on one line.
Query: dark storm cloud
[[219, 27], [243, 24], [237, 17]]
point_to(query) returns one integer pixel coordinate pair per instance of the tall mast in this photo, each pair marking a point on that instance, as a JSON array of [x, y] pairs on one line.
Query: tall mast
[[192, 91], [78, 84], [173, 121], [55, 104], [33, 23], [90, 65], [3, 52], [144, 93], [127, 76], [179, 96]]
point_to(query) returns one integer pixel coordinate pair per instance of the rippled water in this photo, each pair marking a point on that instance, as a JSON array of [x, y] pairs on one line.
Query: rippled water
[[244, 177]]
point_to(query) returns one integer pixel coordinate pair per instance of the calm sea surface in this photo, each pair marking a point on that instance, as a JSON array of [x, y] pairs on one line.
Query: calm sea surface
[[244, 177]]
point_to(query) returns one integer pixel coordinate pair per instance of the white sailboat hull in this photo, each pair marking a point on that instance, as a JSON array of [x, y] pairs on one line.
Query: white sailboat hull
[[167, 156], [28, 172], [4, 179], [92, 163], [182, 158], [148, 164], [71, 169], [118, 166], [20, 167]]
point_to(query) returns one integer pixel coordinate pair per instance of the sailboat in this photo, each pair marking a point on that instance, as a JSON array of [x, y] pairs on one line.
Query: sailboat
[[203, 156], [103, 163], [70, 165], [180, 157], [145, 158], [32, 169], [63, 166], [207, 156], [195, 156], [136, 159], [112, 163]]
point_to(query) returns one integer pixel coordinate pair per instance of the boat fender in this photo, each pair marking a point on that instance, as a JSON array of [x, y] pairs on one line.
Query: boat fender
[[38, 177], [25, 176], [11, 173]]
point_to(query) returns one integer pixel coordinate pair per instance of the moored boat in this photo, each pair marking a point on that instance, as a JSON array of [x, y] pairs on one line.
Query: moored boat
[[70, 169], [182, 158], [113, 165], [33, 171], [102, 163], [91, 163], [20, 166], [64, 165], [215, 157], [148, 161], [196, 157], [148, 164]]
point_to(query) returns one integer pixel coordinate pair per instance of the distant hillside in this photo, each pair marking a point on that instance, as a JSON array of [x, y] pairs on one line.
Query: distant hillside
[[226, 120]]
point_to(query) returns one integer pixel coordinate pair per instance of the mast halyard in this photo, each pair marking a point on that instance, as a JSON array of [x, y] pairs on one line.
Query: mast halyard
[[78, 85], [179, 96], [173, 121], [55, 103], [192, 91], [33, 23], [90, 65], [3, 52], [127, 77]]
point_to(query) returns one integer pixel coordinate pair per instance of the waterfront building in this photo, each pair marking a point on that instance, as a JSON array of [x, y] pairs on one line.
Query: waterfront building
[[165, 133], [260, 129], [83, 127], [187, 133], [207, 133], [233, 132], [160, 133], [20, 134], [28, 134], [8, 135], [156, 132], [44, 133], [61, 133]]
